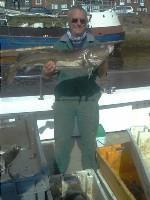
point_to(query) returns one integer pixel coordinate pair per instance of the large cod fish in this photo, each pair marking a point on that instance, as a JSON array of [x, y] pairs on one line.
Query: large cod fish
[[88, 58]]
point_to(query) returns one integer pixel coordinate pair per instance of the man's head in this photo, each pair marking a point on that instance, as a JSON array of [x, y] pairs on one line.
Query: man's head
[[77, 19]]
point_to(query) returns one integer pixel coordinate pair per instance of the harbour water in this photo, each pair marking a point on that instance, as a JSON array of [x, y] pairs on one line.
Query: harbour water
[[129, 68], [130, 58]]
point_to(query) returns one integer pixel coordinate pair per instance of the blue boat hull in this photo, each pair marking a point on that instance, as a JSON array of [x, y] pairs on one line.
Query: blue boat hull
[[15, 42]]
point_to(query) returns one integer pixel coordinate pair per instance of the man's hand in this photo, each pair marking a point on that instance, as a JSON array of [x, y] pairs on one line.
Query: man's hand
[[49, 68]]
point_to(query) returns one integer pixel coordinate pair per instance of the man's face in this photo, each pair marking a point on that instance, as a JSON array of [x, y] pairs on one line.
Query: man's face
[[77, 22]]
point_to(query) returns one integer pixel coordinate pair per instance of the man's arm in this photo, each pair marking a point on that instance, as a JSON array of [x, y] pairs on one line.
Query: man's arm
[[101, 78], [102, 70]]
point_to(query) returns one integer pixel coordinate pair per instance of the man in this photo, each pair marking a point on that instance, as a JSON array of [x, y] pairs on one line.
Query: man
[[76, 97]]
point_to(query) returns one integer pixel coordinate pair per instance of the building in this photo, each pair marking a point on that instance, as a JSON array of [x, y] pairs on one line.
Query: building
[[55, 5], [18, 4], [139, 6]]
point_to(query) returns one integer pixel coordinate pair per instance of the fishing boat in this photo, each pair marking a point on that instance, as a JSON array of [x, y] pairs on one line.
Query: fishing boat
[[105, 26], [122, 174]]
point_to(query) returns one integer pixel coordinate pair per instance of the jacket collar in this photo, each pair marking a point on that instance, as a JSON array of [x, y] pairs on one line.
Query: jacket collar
[[90, 38]]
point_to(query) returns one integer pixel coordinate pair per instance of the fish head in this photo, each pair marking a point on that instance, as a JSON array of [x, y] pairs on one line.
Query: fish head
[[110, 48]]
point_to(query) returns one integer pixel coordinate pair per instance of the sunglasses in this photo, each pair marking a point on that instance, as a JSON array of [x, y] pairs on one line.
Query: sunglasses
[[75, 20]]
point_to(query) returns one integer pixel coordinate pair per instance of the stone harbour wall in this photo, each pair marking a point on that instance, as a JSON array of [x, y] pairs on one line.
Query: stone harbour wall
[[137, 30]]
